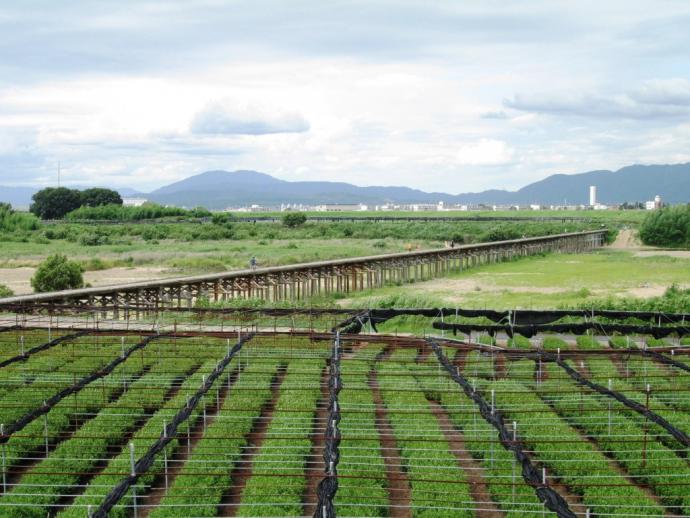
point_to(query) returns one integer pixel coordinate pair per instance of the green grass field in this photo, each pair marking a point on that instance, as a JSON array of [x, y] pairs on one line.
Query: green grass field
[[204, 256], [542, 282]]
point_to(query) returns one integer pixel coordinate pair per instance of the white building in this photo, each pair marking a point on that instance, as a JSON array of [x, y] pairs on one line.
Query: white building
[[133, 202], [592, 195], [340, 207], [653, 204]]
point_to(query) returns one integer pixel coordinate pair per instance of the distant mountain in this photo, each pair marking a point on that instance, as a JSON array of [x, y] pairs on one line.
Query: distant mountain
[[220, 189], [18, 197]]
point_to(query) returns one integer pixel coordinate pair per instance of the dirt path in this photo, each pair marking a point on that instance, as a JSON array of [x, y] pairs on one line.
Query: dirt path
[[500, 366], [229, 504], [423, 353], [398, 483], [19, 279], [460, 359], [484, 504], [179, 458], [315, 463], [626, 239]]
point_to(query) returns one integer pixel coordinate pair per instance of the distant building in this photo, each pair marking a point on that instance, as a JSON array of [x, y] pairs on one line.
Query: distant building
[[424, 207], [592, 195], [654, 204], [133, 202], [251, 208], [340, 207]]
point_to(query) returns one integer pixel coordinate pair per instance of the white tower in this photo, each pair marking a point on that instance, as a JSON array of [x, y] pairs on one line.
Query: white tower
[[592, 195]]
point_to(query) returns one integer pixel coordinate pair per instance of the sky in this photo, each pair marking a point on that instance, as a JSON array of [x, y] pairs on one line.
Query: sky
[[453, 96]]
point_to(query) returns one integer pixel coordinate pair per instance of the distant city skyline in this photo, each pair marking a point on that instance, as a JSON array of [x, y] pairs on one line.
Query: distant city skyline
[[445, 96]]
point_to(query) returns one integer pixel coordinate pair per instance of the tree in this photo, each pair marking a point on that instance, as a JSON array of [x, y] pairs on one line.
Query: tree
[[669, 226], [5, 291], [57, 273], [55, 202], [98, 196], [294, 219]]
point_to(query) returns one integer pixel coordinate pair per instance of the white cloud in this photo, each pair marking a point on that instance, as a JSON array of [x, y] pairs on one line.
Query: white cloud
[[229, 117], [485, 152], [674, 92], [143, 93], [652, 99]]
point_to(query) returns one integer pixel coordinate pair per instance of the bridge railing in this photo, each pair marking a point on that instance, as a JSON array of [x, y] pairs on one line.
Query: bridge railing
[[298, 281]]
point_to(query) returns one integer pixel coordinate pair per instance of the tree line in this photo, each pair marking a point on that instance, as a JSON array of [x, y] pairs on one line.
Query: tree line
[[56, 202]]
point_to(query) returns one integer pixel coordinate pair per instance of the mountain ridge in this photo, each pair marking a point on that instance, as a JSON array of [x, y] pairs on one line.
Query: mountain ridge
[[218, 189]]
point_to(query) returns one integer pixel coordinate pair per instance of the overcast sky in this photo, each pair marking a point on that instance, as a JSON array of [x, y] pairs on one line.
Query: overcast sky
[[452, 96]]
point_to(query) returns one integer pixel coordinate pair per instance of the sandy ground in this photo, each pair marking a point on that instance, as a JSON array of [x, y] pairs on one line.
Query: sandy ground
[[627, 240], [18, 279]]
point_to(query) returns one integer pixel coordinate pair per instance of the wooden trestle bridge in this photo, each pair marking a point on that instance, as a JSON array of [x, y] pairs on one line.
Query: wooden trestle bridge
[[298, 281]]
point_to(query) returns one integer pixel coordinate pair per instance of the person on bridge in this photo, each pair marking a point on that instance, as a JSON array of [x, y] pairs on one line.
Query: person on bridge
[[252, 263]]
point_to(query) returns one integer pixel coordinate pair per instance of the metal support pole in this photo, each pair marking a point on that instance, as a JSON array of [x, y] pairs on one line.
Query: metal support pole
[[133, 474], [45, 430]]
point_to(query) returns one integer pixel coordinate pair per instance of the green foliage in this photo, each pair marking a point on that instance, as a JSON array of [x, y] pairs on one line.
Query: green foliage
[[294, 219], [553, 343], [669, 226], [519, 342], [674, 300], [98, 196], [502, 233], [55, 202], [122, 213], [222, 218], [57, 273], [94, 239], [12, 221], [5, 291]]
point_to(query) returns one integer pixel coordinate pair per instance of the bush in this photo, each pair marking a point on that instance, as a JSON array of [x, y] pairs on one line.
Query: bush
[[5, 291], [294, 219], [674, 300], [12, 221], [669, 226], [94, 239], [122, 213], [504, 233], [57, 273], [222, 218]]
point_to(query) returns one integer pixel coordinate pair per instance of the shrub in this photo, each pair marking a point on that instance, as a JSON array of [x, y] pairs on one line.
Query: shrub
[[12, 221], [122, 213], [669, 226], [221, 218], [502, 234], [57, 273], [94, 239], [294, 219], [5, 291]]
